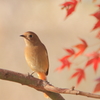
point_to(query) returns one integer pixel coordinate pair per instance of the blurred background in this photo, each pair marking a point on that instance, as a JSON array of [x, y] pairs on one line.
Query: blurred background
[[46, 19]]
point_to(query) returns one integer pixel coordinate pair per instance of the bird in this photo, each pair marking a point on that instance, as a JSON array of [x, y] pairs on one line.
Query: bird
[[36, 54]]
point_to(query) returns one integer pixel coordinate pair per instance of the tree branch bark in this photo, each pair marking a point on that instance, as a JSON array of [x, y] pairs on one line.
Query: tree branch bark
[[43, 86]]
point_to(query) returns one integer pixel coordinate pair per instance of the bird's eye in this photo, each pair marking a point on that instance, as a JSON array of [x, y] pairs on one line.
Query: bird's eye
[[30, 36]]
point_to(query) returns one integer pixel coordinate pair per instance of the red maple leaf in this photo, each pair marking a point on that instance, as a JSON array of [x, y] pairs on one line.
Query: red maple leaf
[[81, 47], [94, 0], [98, 5], [66, 4], [97, 25], [69, 6], [98, 35], [70, 11], [97, 15], [70, 51], [97, 87], [65, 63], [80, 74], [93, 54], [98, 79], [95, 60]]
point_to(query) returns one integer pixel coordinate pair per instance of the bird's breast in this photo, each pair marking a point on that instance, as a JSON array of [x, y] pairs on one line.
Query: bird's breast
[[31, 57], [35, 59]]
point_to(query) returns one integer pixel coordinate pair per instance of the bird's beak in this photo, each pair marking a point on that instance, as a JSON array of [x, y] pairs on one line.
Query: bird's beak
[[22, 35]]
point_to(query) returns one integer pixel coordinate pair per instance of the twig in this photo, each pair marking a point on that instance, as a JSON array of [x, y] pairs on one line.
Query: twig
[[43, 86], [30, 81]]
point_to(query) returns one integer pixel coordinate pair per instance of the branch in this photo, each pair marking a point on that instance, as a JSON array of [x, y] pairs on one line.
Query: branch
[[30, 81], [43, 86]]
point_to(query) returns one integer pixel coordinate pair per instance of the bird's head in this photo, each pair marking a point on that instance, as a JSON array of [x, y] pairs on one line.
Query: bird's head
[[30, 38]]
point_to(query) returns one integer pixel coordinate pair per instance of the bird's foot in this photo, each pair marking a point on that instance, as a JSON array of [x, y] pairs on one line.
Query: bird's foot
[[31, 74]]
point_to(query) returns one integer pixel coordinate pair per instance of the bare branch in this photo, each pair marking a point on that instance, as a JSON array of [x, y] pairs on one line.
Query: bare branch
[[29, 81], [43, 86]]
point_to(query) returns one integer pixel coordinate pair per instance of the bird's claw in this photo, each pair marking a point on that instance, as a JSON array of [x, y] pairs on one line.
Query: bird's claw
[[31, 74]]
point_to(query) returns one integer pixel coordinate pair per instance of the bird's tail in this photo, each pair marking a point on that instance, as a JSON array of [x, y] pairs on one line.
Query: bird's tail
[[42, 76]]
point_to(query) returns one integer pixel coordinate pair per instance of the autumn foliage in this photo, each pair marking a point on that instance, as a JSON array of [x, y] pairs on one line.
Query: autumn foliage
[[80, 74], [69, 7], [93, 57]]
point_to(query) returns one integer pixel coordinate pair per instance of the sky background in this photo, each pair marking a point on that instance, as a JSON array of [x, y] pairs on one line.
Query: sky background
[[46, 19]]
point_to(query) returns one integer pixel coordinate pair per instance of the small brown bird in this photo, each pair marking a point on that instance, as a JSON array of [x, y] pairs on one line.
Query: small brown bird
[[36, 54]]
